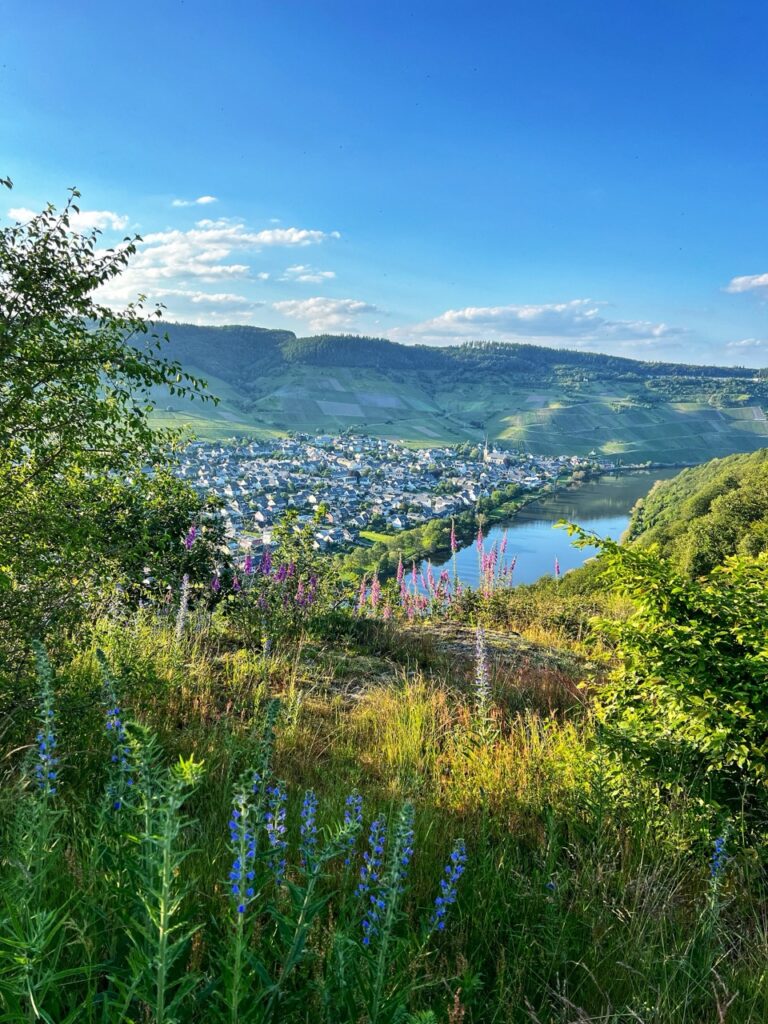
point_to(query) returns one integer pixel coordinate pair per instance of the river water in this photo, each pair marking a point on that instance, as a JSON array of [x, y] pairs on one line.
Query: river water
[[601, 506]]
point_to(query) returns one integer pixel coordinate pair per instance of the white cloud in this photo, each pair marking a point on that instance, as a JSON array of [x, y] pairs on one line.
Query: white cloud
[[748, 343], [322, 313], [748, 283], [303, 272], [213, 251], [84, 220], [577, 321], [200, 201]]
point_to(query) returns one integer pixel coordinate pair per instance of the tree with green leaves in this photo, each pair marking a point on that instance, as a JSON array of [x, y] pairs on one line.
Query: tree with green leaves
[[76, 439], [687, 699]]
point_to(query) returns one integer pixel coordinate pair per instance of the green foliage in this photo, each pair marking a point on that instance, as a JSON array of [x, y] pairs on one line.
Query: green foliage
[[705, 514], [75, 434], [688, 697]]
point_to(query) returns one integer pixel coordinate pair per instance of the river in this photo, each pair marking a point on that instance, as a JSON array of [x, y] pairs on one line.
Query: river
[[601, 506]]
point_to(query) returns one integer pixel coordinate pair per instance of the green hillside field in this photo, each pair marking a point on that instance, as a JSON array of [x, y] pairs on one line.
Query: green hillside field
[[520, 396]]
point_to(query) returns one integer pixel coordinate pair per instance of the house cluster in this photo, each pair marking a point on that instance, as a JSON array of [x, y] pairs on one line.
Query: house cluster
[[364, 483]]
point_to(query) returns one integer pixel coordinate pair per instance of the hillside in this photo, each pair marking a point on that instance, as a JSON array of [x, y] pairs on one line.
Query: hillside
[[707, 513], [540, 399]]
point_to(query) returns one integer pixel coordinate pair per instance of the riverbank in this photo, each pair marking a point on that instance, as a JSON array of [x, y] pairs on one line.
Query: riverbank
[[431, 540]]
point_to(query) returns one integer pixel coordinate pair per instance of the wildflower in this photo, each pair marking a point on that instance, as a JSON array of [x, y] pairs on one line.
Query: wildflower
[[248, 566], [482, 681], [274, 823], [46, 773], [479, 541], [242, 841], [406, 838], [557, 568], [353, 813], [215, 584], [375, 591], [308, 826], [120, 754], [454, 869], [454, 544], [265, 565], [181, 618], [236, 585], [384, 896], [362, 596], [372, 858], [189, 540], [400, 570], [718, 859]]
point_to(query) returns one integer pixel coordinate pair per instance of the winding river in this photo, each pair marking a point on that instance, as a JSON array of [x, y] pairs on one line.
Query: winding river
[[602, 506]]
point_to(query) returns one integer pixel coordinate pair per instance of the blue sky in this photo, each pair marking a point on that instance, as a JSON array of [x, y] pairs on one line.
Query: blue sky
[[590, 175]]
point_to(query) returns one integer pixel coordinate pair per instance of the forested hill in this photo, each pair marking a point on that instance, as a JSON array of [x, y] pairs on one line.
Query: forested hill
[[227, 351], [519, 395], [704, 514]]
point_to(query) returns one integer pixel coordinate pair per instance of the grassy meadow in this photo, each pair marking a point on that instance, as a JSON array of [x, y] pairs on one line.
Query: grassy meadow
[[585, 896]]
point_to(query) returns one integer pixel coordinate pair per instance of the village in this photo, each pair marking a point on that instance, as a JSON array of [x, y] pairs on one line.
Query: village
[[364, 483]]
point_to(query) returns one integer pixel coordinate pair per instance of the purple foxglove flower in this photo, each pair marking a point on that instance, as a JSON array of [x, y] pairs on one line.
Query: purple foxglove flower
[[248, 565], [189, 540], [215, 584]]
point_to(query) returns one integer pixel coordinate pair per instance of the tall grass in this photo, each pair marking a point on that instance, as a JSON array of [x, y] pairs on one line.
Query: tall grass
[[230, 869]]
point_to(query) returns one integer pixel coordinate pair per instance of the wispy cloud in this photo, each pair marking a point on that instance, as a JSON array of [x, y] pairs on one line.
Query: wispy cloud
[[748, 283], [323, 314], [575, 321], [84, 220], [200, 201], [303, 272], [211, 252], [747, 344]]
